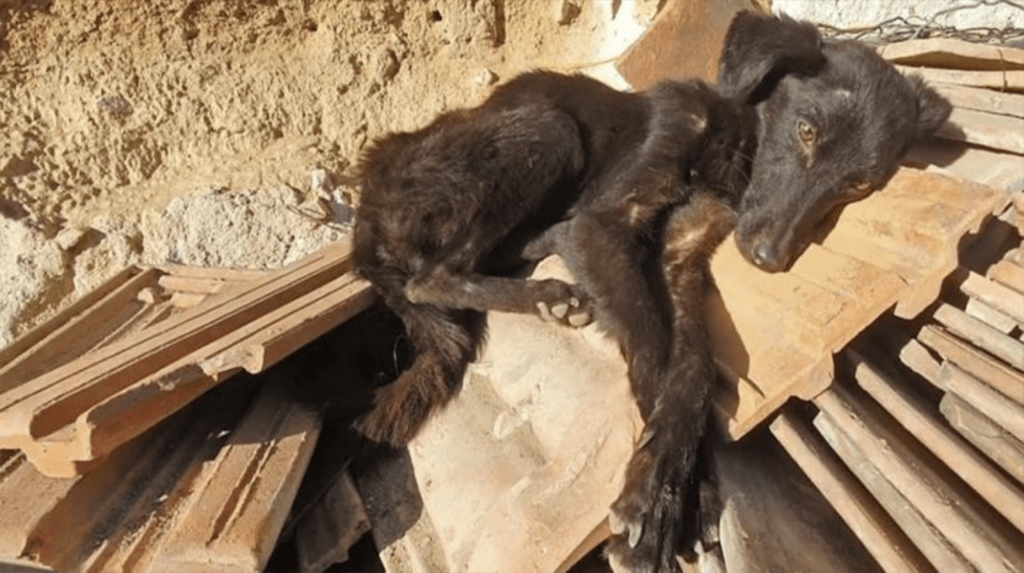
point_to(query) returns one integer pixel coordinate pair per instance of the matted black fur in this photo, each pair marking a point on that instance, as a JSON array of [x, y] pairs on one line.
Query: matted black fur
[[634, 191]]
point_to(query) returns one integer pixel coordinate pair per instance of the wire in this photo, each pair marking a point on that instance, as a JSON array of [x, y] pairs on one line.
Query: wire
[[901, 29]]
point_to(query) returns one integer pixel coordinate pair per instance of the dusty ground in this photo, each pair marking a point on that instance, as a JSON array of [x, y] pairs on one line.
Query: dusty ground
[[226, 133]]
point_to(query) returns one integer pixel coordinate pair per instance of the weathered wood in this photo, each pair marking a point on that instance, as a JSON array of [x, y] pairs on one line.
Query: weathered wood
[[1008, 414], [953, 53], [990, 316], [1003, 171], [213, 273], [985, 129], [770, 506], [979, 99], [1006, 380], [990, 439], [22, 344], [868, 521], [981, 334], [55, 399], [331, 527], [1009, 274], [684, 41], [515, 483], [919, 420], [83, 325], [264, 342], [901, 229], [116, 517], [196, 285], [931, 543], [186, 300], [925, 487], [996, 295], [893, 248], [1012, 80], [104, 426], [916, 357], [1015, 256], [238, 512]]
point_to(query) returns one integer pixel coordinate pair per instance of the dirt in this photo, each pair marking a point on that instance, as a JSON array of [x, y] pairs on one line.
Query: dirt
[[227, 133]]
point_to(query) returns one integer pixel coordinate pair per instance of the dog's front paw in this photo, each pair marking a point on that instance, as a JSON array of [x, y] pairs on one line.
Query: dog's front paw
[[562, 302], [652, 514]]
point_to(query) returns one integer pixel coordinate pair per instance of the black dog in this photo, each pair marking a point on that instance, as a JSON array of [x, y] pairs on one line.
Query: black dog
[[631, 190]]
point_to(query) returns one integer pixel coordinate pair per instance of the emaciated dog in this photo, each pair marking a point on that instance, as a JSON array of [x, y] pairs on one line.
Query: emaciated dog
[[634, 190]]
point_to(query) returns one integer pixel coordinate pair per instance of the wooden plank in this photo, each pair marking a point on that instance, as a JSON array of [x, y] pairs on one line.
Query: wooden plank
[[990, 316], [880, 535], [683, 42], [769, 506], [1007, 414], [984, 129], [1011, 80], [114, 517], [1003, 171], [32, 337], [916, 357], [515, 483], [187, 300], [1006, 380], [896, 247], [212, 273], [981, 334], [263, 343], [104, 426], [327, 532], [1015, 256], [54, 400], [82, 326], [979, 99], [940, 502], [239, 511], [919, 420], [1000, 447], [953, 53], [197, 285], [926, 537], [996, 295], [1009, 274]]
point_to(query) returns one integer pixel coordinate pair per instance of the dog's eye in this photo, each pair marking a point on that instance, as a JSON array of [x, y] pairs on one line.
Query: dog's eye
[[806, 133], [859, 189]]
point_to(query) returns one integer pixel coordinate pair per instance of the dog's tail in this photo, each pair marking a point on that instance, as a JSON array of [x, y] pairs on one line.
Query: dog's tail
[[444, 343]]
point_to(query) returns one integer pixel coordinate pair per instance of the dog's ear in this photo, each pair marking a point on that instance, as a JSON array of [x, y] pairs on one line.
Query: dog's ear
[[932, 109], [760, 49]]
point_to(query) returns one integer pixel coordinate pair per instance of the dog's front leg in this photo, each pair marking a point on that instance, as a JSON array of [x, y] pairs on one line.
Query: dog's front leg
[[552, 300]]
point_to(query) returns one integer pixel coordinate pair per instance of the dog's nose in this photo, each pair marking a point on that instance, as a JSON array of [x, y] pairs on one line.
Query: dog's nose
[[764, 255]]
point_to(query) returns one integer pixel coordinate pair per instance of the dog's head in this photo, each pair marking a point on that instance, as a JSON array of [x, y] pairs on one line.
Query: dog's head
[[835, 121]]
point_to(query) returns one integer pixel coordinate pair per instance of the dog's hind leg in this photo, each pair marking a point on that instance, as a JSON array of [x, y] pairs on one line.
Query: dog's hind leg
[[445, 341]]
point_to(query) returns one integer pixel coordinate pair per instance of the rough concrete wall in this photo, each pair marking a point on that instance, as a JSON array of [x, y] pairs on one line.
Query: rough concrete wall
[[854, 13]]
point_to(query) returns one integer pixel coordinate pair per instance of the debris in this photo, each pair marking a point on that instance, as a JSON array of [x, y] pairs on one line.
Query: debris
[[684, 41], [79, 411], [237, 513], [326, 533], [567, 12]]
